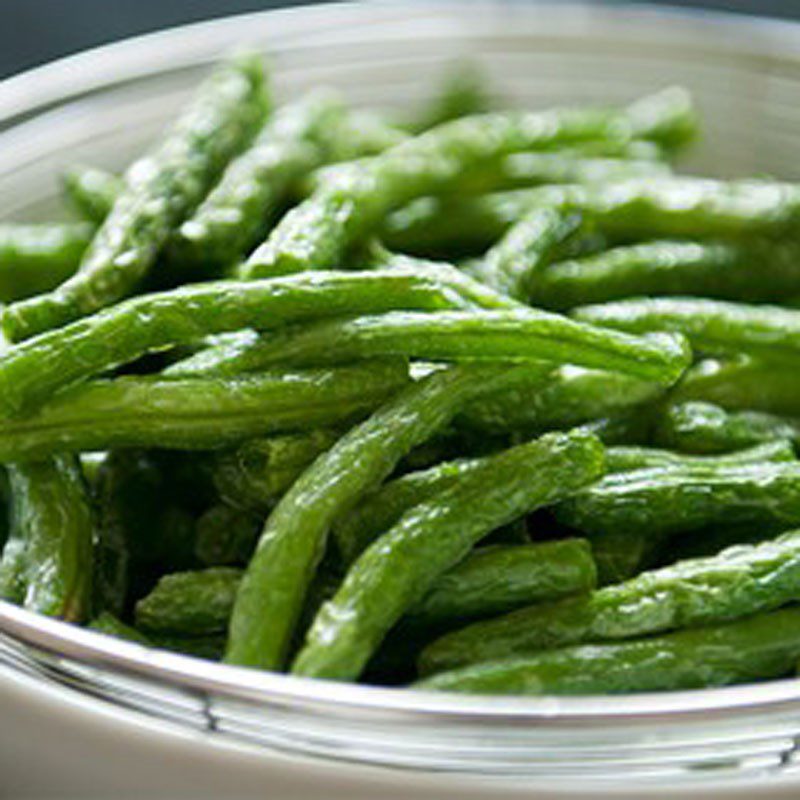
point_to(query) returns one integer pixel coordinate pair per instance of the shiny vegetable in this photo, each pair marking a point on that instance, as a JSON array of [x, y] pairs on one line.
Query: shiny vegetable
[[198, 414], [160, 190], [738, 582], [755, 648], [52, 514], [401, 566]]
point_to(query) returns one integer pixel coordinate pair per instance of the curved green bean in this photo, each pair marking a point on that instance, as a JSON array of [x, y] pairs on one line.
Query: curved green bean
[[160, 189], [271, 596], [316, 234], [622, 459], [737, 582], [31, 371], [399, 568]]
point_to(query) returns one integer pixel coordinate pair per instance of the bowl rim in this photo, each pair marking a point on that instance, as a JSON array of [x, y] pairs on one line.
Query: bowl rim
[[34, 91]]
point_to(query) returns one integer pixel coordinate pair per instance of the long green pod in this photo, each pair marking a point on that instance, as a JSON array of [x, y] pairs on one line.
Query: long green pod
[[189, 603], [52, 511], [743, 384], [753, 649], [457, 335], [655, 208], [31, 371], [149, 411], [752, 271], [490, 580], [229, 221], [622, 459], [380, 510], [568, 396], [398, 569], [737, 582], [258, 473], [38, 257], [498, 578], [91, 191], [697, 427], [513, 265], [275, 584], [767, 332], [666, 500], [161, 188], [316, 234], [562, 166], [13, 565]]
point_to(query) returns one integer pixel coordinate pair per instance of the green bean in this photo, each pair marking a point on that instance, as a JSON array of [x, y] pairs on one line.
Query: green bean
[[399, 568], [622, 459], [771, 333], [358, 134], [209, 647], [111, 625], [491, 580], [462, 91], [514, 264], [454, 335], [189, 603], [91, 191], [696, 427], [496, 579], [30, 372], [379, 511], [52, 512], [668, 500], [738, 582], [271, 596], [752, 649], [620, 555], [671, 207], [13, 565], [258, 473], [568, 396], [225, 535], [524, 170], [754, 272], [160, 189], [317, 233], [743, 385], [198, 414], [37, 257], [229, 221]]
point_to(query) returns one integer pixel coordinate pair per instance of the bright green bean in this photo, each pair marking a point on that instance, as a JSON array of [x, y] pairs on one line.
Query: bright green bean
[[198, 414], [92, 191], [740, 581], [752, 649], [399, 568], [160, 189]]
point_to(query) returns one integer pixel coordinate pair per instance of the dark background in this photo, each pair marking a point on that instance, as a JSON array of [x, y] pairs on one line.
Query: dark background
[[35, 31]]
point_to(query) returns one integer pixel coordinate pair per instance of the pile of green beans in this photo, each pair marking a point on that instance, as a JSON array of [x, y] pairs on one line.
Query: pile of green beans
[[470, 399]]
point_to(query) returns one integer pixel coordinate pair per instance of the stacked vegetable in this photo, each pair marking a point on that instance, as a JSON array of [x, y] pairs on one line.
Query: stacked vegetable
[[488, 402]]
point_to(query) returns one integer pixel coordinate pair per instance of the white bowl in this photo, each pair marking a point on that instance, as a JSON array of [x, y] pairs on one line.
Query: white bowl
[[218, 722]]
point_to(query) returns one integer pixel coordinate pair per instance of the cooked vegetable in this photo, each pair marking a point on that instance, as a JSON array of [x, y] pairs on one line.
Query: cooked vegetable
[[150, 411], [92, 191], [52, 514], [272, 592], [160, 190], [38, 257], [759, 647], [738, 582], [399, 568], [30, 372]]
